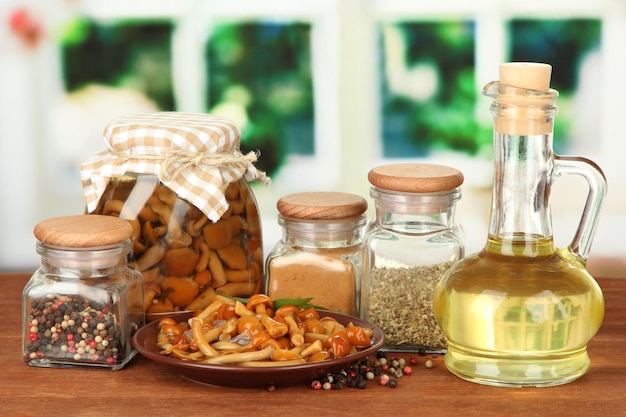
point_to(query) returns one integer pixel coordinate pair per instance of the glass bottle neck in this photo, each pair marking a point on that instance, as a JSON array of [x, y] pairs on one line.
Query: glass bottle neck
[[521, 190], [523, 164]]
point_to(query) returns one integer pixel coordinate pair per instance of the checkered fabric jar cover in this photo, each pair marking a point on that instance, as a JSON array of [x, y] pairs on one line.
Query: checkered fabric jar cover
[[195, 155]]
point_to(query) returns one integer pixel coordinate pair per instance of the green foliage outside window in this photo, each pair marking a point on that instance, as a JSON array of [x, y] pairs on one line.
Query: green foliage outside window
[[262, 72], [446, 120], [259, 73], [562, 44], [131, 54]]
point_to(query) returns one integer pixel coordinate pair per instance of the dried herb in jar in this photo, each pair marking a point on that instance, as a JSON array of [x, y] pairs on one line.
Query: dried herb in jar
[[401, 304]]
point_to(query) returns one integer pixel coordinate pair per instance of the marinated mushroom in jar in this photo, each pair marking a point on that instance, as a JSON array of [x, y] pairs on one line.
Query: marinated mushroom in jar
[[185, 258]]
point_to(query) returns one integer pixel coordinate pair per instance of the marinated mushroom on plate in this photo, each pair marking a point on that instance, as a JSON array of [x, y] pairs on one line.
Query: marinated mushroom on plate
[[259, 332]]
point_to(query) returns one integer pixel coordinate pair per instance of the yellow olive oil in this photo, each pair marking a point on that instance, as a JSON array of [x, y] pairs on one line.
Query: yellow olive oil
[[528, 314]]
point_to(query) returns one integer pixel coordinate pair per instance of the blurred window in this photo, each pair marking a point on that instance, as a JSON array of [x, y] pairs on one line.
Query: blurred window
[[567, 45], [429, 89], [260, 75], [259, 72], [428, 93], [130, 54]]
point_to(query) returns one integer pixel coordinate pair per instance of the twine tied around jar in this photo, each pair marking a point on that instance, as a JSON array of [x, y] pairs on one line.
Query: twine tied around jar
[[175, 161], [195, 155]]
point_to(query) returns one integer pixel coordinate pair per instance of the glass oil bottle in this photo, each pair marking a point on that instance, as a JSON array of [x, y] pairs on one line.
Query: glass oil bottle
[[521, 312]]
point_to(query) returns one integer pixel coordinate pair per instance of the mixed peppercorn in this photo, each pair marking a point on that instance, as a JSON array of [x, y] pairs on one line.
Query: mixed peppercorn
[[384, 369], [72, 329]]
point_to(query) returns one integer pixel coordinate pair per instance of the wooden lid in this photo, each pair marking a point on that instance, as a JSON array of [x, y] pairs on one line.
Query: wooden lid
[[83, 231], [415, 178], [323, 205]]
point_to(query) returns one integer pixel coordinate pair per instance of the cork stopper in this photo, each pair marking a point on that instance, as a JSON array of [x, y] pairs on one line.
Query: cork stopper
[[525, 101], [415, 178], [323, 205], [83, 231], [528, 75]]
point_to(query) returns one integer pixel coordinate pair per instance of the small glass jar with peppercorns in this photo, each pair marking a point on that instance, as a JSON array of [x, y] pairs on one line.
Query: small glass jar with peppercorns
[[84, 303]]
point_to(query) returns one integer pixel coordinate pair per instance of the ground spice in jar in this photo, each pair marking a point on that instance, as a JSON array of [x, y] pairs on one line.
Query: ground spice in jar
[[401, 304], [323, 274], [320, 253]]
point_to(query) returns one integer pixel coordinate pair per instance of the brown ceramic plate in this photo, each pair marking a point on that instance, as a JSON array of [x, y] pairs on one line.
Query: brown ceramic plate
[[144, 341]]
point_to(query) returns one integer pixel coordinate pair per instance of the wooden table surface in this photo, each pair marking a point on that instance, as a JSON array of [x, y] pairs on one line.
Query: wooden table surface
[[144, 388]]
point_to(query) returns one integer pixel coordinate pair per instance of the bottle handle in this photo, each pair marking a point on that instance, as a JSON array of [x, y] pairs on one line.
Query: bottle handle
[[573, 165]]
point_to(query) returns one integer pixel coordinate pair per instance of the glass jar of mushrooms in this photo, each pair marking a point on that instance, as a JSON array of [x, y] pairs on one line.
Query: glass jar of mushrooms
[[182, 183]]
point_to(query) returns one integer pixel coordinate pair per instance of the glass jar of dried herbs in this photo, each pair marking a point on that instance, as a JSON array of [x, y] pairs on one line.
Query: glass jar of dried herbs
[[408, 246]]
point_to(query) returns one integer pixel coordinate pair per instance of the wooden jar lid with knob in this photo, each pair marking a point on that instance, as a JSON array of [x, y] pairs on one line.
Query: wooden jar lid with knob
[[322, 205], [83, 231], [415, 177]]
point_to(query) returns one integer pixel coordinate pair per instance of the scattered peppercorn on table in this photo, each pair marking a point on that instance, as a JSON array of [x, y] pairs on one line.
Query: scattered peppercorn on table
[[145, 388]]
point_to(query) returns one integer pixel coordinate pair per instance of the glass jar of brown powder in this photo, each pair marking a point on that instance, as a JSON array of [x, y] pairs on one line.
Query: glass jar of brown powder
[[408, 247], [319, 255]]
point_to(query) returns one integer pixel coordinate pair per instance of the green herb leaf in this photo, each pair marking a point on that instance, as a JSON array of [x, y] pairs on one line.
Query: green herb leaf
[[298, 302], [242, 300], [280, 302]]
